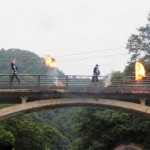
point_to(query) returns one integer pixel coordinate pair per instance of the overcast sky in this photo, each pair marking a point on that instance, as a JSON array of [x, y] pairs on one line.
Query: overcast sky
[[77, 33]]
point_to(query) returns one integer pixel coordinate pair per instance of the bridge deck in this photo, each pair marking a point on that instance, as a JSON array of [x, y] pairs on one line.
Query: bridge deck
[[117, 93], [40, 87]]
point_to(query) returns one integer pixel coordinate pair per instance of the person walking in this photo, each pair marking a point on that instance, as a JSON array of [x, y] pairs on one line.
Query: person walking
[[96, 73], [14, 72]]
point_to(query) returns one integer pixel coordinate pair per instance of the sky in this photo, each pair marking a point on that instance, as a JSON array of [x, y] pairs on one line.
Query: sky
[[78, 33]]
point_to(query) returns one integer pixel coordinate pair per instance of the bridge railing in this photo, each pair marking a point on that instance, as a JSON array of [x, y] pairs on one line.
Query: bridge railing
[[130, 81], [34, 80], [88, 81]]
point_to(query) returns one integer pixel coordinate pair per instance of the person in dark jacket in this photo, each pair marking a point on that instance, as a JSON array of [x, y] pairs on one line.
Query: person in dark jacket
[[14, 72], [96, 73]]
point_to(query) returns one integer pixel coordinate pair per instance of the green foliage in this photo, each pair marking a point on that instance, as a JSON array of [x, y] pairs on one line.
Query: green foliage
[[27, 135], [58, 118], [50, 135], [5, 105], [6, 135], [116, 78], [105, 129], [139, 45], [130, 69]]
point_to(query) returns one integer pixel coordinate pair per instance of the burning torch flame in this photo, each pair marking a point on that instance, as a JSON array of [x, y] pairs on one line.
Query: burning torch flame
[[50, 62], [61, 84], [106, 83], [139, 70]]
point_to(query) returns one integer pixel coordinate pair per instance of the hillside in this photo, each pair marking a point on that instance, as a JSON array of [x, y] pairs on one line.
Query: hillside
[[28, 62]]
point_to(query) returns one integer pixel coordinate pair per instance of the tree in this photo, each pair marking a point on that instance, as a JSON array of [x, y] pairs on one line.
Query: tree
[[61, 120], [105, 129], [28, 135], [54, 139], [139, 45], [6, 136]]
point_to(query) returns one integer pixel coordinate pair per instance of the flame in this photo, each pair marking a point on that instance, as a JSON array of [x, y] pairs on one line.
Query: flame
[[61, 84], [106, 83], [50, 62], [139, 70]]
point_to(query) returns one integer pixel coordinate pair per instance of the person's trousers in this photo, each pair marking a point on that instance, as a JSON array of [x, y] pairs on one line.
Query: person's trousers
[[12, 78]]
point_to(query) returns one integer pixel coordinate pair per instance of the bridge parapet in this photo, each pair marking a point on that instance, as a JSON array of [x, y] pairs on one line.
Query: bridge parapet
[[40, 81], [33, 80], [39, 87]]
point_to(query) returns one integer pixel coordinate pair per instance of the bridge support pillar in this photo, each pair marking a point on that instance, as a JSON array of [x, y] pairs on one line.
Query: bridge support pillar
[[24, 99], [142, 101]]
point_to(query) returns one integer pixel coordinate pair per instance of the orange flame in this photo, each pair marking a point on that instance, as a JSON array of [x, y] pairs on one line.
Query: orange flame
[[106, 83], [50, 62], [139, 71], [61, 84]]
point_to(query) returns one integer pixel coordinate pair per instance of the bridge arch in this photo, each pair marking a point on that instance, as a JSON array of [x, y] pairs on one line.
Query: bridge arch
[[25, 108]]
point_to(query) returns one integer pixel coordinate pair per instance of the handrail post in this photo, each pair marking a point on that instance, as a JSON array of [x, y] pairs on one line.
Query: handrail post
[[94, 80], [38, 80], [123, 81], [9, 80], [67, 81]]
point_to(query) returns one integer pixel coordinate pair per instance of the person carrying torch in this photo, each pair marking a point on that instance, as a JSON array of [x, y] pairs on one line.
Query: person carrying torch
[[96, 73], [14, 72]]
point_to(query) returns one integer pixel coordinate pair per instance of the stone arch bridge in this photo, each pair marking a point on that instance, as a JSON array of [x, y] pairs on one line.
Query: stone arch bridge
[[40, 92]]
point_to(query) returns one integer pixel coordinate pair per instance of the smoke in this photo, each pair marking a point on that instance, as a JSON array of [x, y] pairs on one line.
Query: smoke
[[107, 79], [53, 74]]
